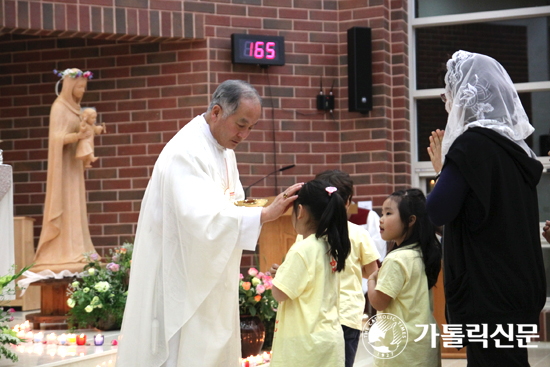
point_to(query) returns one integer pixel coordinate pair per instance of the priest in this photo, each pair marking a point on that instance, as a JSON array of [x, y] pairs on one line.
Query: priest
[[182, 307]]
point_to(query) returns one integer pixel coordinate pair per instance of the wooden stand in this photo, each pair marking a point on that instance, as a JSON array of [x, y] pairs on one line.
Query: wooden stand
[[24, 255], [439, 314], [53, 303]]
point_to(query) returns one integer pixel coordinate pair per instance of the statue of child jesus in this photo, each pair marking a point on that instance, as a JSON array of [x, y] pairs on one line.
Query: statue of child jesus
[[85, 148]]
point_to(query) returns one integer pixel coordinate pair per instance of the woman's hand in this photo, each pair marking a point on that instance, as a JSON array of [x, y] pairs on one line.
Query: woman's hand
[[546, 231], [434, 150], [83, 133], [281, 204]]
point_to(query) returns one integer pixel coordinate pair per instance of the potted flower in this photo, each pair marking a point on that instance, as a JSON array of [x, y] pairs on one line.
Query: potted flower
[[257, 308], [99, 297], [8, 336]]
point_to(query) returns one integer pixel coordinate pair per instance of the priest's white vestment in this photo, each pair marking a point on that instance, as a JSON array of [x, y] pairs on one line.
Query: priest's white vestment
[[186, 260]]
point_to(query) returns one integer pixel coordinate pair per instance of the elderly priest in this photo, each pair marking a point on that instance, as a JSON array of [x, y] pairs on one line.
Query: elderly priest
[[182, 307]]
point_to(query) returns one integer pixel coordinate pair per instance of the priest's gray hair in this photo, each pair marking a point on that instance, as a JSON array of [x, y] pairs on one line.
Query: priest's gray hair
[[229, 94]]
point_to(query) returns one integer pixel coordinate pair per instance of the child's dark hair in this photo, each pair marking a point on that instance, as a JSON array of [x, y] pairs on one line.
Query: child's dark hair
[[329, 213], [413, 202], [341, 180]]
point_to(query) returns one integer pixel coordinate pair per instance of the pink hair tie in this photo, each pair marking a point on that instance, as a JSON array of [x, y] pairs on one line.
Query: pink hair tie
[[330, 190]]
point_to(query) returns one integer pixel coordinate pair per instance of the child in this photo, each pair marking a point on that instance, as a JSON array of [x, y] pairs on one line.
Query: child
[[85, 147], [307, 329], [361, 260], [402, 286]]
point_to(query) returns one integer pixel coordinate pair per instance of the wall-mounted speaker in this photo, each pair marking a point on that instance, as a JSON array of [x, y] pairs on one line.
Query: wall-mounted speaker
[[360, 69]]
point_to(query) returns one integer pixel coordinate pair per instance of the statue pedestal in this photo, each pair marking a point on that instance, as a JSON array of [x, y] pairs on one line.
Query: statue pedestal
[[53, 303]]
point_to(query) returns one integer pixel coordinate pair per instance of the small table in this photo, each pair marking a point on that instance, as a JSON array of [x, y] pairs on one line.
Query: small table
[[53, 303]]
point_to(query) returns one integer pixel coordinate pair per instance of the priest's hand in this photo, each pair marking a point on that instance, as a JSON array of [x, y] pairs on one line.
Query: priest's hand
[[434, 150], [281, 204]]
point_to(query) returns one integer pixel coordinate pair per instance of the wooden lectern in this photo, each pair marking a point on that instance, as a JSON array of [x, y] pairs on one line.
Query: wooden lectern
[[439, 314]]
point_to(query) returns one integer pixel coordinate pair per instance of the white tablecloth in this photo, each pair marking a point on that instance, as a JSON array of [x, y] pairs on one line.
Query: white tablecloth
[[6, 224]]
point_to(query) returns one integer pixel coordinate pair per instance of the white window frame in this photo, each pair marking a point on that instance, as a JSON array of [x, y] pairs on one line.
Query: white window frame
[[420, 170]]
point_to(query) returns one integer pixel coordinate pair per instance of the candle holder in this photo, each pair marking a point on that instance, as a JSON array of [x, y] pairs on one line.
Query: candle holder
[[62, 339], [38, 337], [51, 338], [71, 339], [98, 339], [81, 339]]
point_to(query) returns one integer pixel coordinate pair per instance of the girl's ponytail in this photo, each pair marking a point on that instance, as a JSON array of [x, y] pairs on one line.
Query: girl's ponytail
[[329, 211]]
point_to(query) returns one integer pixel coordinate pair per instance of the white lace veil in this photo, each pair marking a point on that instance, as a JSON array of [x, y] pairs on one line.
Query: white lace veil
[[480, 93]]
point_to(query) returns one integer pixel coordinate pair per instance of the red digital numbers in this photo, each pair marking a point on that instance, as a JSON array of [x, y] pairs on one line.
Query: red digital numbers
[[256, 49]]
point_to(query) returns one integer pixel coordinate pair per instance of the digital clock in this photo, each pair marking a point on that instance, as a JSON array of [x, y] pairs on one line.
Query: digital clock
[[255, 49]]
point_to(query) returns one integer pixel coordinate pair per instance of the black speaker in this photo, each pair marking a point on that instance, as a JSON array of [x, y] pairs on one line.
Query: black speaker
[[360, 69]]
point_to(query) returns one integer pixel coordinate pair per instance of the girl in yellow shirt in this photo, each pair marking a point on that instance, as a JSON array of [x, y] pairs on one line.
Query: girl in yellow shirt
[[307, 328], [402, 286]]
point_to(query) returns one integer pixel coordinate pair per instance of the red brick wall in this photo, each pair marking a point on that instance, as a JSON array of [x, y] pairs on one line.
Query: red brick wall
[[145, 91]]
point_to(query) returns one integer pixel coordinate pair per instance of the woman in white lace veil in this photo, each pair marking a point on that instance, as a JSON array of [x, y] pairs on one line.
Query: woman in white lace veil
[[479, 92], [486, 198]]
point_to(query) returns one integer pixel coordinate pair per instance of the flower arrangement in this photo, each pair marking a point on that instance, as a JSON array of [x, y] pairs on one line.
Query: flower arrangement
[[73, 74], [255, 296], [99, 297], [8, 336]]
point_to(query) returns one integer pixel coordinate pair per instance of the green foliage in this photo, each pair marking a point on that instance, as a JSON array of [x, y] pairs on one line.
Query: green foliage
[[8, 336], [255, 297], [99, 297]]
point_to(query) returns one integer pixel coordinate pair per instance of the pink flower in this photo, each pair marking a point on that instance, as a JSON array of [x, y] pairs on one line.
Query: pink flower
[[113, 267], [261, 275], [268, 284], [241, 277], [94, 256], [260, 289], [11, 310], [246, 286], [252, 272], [11, 318]]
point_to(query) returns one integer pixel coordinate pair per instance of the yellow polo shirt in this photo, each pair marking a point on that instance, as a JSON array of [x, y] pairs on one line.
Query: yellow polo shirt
[[307, 329], [403, 278], [352, 299]]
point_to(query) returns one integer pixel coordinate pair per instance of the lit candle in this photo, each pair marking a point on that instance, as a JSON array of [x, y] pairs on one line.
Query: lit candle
[[71, 339], [98, 339], [26, 326], [51, 338], [16, 328], [62, 339], [20, 334], [38, 337], [81, 339]]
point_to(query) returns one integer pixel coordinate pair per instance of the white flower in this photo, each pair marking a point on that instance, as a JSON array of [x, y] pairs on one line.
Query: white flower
[[89, 308], [102, 286], [71, 303], [75, 284], [86, 290], [91, 271]]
